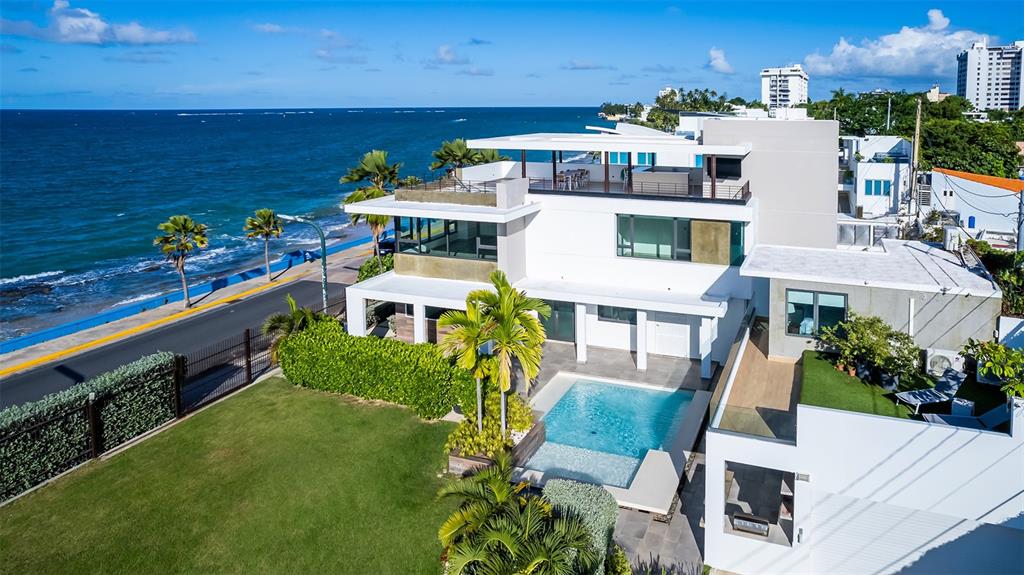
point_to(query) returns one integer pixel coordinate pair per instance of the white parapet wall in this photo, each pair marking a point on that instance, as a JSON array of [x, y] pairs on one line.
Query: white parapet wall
[[878, 494]]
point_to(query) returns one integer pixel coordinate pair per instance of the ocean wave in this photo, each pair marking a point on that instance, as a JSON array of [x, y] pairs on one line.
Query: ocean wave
[[459, 120], [142, 297], [29, 277]]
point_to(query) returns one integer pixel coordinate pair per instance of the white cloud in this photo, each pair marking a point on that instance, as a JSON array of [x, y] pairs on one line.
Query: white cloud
[[447, 56], [586, 65], [268, 28], [82, 26], [927, 50], [474, 71], [717, 61]]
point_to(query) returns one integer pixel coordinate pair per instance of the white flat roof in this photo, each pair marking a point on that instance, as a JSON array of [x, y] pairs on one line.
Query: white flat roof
[[646, 299], [603, 142], [451, 294], [389, 206], [900, 264]]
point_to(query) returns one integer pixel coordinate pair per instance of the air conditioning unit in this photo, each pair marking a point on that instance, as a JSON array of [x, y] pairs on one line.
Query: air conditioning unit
[[937, 361]]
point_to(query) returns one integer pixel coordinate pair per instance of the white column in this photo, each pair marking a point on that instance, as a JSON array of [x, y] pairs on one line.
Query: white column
[[419, 323], [910, 318], [705, 346], [355, 314], [641, 339], [581, 333]]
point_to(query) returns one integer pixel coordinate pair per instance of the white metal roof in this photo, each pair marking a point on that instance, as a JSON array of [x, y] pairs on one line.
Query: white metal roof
[[901, 264], [435, 292], [389, 206], [603, 142]]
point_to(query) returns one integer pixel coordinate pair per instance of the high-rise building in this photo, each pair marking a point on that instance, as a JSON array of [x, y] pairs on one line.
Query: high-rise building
[[990, 78], [783, 87]]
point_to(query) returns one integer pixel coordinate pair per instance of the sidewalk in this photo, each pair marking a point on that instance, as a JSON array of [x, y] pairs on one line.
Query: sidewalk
[[342, 267]]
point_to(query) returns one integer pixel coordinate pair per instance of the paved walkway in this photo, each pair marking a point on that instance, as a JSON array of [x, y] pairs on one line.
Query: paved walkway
[[678, 546], [342, 268]]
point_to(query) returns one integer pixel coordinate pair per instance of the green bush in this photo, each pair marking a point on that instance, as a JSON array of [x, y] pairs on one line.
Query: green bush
[[468, 441], [374, 267], [324, 357], [592, 504], [129, 401], [618, 563]]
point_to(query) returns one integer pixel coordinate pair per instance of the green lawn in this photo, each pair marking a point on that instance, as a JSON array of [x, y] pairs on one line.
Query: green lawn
[[823, 386], [276, 479]]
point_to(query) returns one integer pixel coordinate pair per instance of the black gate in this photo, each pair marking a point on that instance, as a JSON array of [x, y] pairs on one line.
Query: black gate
[[221, 368]]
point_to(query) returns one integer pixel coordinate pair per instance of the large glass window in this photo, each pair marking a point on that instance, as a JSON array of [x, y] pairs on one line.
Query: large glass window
[[448, 238], [616, 314], [807, 311], [667, 238]]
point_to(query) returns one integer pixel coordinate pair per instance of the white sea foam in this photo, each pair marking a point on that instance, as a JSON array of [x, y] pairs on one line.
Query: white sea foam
[[459, 120], [135, 299], [29, 277]]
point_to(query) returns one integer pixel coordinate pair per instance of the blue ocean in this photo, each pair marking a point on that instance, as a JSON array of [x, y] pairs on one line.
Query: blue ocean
[[81, 192]]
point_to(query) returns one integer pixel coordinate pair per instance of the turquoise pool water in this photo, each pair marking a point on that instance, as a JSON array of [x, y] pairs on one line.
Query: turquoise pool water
[[600, 432]]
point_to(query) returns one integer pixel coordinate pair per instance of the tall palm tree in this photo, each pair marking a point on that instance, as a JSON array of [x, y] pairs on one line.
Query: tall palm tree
[[489, 157], [453, 155], [181, 235], [499, 530], [514, 330], [281, 325], [382, 177], [264, 225], [469, 333]]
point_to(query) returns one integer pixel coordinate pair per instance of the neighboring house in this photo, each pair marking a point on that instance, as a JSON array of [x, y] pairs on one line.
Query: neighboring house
[[986, 205], [874, 175], [721, 248], [934, 96]]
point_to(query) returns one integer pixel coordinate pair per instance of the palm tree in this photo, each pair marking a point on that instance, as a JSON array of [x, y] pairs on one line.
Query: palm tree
[[469, 333], [181, 235], [264, 225], [498, 529], [281, 325], [453, 156], [382, 178], [513, 330], [489, 157]]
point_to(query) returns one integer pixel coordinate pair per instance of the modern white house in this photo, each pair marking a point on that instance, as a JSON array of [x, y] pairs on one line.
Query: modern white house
[[986, 206], [784, 87], [874, 175], [718, 249], [990, 77]]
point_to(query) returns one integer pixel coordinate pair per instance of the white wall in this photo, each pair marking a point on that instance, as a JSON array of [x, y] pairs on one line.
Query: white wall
[[572, 238], [897, 174], [881, 492], [977, 200]]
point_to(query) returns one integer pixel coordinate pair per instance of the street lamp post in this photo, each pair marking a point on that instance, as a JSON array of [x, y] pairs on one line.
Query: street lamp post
[[323, 251]]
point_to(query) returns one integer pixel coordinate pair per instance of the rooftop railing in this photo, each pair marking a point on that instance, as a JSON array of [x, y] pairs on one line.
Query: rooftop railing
[[453, 184], [720, 190]]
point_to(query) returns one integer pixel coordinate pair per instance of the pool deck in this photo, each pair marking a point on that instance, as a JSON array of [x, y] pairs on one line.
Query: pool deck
[[654, 485]]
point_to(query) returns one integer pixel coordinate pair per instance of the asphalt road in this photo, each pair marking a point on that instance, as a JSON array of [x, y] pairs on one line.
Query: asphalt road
[[182, 337]]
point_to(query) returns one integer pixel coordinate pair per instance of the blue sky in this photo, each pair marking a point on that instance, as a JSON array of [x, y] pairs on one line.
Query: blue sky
[[231, 54]]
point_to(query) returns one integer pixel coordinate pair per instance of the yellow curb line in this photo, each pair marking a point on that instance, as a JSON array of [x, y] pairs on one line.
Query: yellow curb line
[[147, 325]]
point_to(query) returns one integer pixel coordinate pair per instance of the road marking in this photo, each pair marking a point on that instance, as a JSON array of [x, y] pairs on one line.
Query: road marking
[[142, 327]]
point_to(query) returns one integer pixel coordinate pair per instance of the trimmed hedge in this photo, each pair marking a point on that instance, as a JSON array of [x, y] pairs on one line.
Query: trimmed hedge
[[129, 401], [324, 357], [592, 504]]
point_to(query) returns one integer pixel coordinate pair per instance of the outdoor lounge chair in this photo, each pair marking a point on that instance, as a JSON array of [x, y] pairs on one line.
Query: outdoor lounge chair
[[989, 421], [944, 390]]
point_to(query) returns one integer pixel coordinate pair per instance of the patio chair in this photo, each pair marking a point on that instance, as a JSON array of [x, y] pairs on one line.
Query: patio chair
[[945, 389], [989, 421]]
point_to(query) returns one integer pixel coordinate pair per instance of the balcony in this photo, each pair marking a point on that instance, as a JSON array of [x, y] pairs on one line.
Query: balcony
[[725, 191]]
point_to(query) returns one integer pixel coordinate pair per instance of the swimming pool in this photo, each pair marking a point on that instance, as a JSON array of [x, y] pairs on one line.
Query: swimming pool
[[600, 431]]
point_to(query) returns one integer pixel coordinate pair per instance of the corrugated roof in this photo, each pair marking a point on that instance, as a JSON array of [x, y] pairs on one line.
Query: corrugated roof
[[1009, 184]]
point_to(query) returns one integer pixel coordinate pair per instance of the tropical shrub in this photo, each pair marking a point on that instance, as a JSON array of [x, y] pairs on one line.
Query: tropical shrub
[[870, 341], [499, 527], [998, 361], [376, 266], [128, 402], [617, 562], [468, 441], [593, 505], [324, 357]]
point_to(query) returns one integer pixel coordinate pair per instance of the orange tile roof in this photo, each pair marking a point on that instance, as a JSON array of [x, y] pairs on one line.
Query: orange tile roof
[[1012, 185]]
